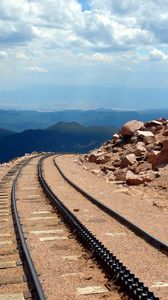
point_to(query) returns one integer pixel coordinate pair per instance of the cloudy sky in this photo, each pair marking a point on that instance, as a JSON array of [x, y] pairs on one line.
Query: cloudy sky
[[57, 54]]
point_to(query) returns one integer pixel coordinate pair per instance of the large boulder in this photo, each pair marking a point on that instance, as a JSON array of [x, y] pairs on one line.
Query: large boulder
[[149, 140], [142, 167], [133, 179], [139, 149], [103, 159], [143, 134], [147, 136], [148, 176], [129, 128], [153, 123], [162, 157], [93, 156], [151, 155], [128, 160]]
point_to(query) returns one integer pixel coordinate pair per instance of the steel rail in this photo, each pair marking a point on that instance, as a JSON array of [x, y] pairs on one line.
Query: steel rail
[[36, 288], [149, 238], [108, 261]]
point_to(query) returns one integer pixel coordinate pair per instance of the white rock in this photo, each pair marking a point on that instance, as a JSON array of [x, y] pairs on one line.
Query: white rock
[[144, 133]]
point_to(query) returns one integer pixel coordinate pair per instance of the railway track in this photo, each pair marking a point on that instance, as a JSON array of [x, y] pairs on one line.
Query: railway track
[[66, 270], [110, 263], [56, 265], [16, 280], [149, 238]]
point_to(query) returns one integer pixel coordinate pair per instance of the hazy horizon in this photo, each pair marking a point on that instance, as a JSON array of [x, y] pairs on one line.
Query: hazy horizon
[[51, 98]]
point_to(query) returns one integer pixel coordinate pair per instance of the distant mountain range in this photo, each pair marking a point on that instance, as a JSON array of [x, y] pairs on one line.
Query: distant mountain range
[[23, 120], [4, 132], [61, 137]]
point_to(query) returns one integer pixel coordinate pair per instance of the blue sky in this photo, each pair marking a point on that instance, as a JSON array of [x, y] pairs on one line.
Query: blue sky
[[83, 52], [85, 4]]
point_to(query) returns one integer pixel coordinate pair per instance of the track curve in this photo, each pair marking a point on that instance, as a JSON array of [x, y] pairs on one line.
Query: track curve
[[109, 262], [149, 238]]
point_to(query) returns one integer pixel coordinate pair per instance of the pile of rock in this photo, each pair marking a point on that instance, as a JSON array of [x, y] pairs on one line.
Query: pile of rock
[[135, 154], [5, 165]]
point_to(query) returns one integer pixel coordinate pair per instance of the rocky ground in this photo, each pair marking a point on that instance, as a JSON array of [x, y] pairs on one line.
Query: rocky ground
[[5, 167], [136, 156]]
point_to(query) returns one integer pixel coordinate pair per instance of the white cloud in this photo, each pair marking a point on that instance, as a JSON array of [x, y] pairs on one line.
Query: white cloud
[[37, 69], [50, 32], [107, 26], [21, 56], [158, 55], [97, 57], [3, 54]]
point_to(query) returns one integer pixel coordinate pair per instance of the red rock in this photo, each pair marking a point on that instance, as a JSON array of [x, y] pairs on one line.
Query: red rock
[[94, 155], [149, 140], [117, 163], [139, 148], [147, 136], [153, 129], [148, 176], [120, 175], [128, 160], [162, 120], [102, 159], [165, 145], [165, 133], [153, 123], [162, 157], [129, 128], [143, 167], [133, 179], [151, 155]]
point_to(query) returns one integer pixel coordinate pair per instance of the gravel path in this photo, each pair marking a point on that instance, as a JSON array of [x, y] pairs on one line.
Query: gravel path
[[147, 263]]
